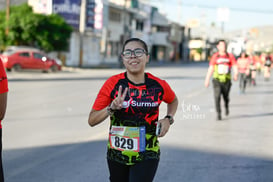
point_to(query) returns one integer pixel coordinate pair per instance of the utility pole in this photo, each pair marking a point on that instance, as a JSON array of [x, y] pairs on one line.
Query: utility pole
[[126, 34], [124, 22], [82, 30], [7, 16]]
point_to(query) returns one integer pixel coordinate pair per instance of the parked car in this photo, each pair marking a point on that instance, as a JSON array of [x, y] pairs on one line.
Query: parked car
[[18, 58]]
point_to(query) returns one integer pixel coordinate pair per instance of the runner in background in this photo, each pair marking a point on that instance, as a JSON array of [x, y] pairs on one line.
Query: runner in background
[[243, 69], [262, 59], [132, 101], [267, 67], [3, 106], [220, 66], [254, 66]]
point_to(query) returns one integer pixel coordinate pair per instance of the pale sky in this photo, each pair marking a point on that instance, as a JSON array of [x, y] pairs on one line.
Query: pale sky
[[243, 14]]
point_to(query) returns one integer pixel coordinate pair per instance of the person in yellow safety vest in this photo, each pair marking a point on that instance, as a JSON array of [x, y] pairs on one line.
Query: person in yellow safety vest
[[220, 67]]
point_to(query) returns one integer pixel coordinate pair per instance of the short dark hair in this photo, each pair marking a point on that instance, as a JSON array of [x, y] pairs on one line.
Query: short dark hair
[[136, 40], [244, 52], [221, 40]]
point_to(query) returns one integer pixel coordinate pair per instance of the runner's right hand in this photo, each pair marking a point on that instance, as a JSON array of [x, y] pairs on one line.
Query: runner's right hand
[[118, 101]]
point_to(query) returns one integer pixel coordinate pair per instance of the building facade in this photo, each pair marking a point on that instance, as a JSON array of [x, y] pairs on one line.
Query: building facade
[[102, 26]]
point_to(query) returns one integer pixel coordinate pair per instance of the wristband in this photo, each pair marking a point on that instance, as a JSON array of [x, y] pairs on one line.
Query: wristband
[[171, 120], [110, 111]]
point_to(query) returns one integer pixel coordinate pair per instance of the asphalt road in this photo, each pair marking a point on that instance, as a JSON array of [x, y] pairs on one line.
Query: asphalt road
[[46, 137]]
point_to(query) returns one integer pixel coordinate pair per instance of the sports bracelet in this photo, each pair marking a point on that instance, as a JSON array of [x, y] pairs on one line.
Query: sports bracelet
[[110, 111], [170, 118]]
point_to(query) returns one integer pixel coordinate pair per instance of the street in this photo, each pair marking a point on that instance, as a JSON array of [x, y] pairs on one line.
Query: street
[[46, 137]]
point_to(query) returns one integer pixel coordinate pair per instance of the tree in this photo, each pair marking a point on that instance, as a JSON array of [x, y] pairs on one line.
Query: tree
[[27, 28]]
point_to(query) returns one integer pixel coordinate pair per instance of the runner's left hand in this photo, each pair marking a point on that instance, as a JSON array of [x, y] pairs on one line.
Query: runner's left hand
[[165, 125]]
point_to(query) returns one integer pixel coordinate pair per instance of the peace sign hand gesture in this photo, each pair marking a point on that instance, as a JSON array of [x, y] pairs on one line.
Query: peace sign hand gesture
[[118, 101]]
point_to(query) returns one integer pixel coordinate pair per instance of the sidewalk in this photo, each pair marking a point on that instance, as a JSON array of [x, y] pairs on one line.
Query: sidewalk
[[155, 63], [70, 73]]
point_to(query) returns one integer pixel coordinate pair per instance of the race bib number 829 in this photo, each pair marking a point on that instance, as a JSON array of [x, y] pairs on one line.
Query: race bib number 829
[[127, 138]]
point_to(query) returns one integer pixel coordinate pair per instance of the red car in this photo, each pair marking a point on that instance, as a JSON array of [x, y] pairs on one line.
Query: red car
[[17, 58]]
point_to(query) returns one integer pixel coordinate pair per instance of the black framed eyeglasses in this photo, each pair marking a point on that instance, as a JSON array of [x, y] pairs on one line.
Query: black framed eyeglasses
[[137, 52]]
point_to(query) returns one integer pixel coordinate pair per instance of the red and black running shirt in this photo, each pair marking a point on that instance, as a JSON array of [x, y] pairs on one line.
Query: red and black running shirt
[[140, 108], [3, 81]]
